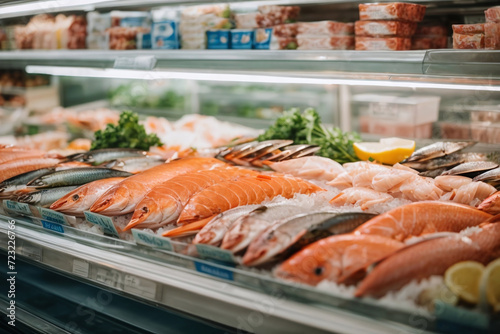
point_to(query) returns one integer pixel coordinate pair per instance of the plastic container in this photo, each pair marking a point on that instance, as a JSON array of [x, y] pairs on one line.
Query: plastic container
[[165, 29], [218, 39], [412, 110], [241, 38]]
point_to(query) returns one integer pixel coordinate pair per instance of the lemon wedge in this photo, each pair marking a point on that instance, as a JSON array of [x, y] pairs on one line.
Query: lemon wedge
[[463, 279], [386, 151], [490, 283]]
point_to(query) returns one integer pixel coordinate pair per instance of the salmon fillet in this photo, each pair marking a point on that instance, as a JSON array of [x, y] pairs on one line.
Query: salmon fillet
[[123, 197], [249, 190]]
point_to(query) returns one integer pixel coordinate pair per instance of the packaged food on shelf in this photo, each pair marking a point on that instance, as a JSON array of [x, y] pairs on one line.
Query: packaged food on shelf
[[327, 28], [492, 14], [470, 41], [45, 31], [427, 29], [385, 28], [197, 20], [392, 11], [248, 20], [129, 30], [267, 16], [485, 132], [452, 130], [390, 128], [414, 110], [218, 39], [431, 42], [97, 25], [165, 29], [305, 42], [468, 29], [241, 38], [265, 38], [492, 36], [383, 43], [430, 36], [8, 37]]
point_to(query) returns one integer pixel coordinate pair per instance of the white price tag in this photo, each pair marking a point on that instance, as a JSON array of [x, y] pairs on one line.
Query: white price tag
[[31, 251], [81, 268], [109, 277], [139, 286]]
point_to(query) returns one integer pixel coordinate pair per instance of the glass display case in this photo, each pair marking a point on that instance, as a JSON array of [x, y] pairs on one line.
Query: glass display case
[[423, 95]]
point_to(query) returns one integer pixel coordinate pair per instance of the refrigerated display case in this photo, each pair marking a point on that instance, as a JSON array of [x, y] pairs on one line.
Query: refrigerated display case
[[157, 286]]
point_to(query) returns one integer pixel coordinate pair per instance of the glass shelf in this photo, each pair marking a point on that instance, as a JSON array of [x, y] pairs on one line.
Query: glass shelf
[[449, 63]]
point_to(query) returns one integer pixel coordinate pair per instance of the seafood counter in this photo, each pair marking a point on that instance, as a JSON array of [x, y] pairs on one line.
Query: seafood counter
[[361, 229]]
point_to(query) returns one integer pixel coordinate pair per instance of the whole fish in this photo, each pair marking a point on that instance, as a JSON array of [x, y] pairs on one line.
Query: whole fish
[[299, 231], [431, 257], [81, 199], [164, 203], [75, 177], [21, 166], [246, 190], [134, 165], [491, 204], [45, 197], [9, 155], [450, 160], [123, 197], [471, 167], [19, 181], [338, 258], [214, 231], [97, 157], [492, 177], [423, 217], [437, 150], [247, 227]]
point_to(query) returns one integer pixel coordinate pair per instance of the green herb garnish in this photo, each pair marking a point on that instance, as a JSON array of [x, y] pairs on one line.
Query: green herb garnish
[[306, 128], [127, 134]]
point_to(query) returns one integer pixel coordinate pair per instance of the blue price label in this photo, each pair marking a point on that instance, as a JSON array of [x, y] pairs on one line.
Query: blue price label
[[52, 226], [18, 207], [151, 240], [214, 271], [53, 216], [105, 222]]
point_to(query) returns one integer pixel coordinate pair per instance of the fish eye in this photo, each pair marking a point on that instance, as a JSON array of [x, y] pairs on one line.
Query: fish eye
[[318, 271], [145, 209], [75, 197]]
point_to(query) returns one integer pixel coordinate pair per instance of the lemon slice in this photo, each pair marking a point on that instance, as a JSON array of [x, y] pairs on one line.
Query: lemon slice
[[463, 279], [490, 283], [387, 150]]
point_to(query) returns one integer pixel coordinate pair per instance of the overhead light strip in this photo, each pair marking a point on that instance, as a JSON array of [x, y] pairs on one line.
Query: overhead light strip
[[249, 78]]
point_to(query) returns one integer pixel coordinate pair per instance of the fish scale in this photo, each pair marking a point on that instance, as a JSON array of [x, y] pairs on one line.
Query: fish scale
[[75, 176], [298, 231], [431, 257], [163, 204]]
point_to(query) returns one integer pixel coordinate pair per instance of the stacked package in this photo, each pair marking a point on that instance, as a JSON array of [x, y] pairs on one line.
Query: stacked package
[[387, 26], [325, 35], [196, 21], [48, 32], [273, 27], [480, 35], [430, 36], [129, 30]]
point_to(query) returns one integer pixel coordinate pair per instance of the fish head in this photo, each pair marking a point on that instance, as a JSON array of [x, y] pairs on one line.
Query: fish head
[[268, 244], [310, 266], [117, 200], [72, 201], [153, 212]]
